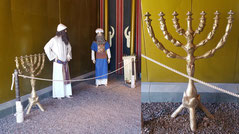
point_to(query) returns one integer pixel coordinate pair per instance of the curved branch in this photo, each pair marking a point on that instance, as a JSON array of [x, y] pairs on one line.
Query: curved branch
[[176, 24], [23, 64], [212, 33], [42, 64], [35, 59], [156, 42], [221, 43], [17, 65], [201, 23], [166, 34], [27, 61], [31, 60], [38, 64]]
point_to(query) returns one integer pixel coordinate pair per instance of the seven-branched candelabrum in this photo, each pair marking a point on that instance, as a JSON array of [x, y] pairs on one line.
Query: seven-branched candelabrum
[[190, 98], [32, 65]]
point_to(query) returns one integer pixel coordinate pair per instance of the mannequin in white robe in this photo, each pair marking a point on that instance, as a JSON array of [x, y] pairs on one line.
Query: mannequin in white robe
[[58, 52]]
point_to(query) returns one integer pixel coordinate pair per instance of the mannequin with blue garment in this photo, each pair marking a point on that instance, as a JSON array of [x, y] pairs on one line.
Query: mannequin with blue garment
[[100, 55]]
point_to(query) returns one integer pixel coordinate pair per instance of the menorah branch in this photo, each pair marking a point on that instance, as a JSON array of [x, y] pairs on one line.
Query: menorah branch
[[222, 41], [176, 24], [201, 23], [39, 62], [156, 42], [166, 34], [27, 60], [212, 33], [35, 59], [42, 65], [23, 64]]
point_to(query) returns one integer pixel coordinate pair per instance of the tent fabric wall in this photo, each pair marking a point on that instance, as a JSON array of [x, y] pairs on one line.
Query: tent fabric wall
[[27, 25], [223, 67]]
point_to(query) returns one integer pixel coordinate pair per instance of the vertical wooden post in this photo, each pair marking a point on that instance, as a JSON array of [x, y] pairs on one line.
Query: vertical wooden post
[[106, 20], [132, 34]]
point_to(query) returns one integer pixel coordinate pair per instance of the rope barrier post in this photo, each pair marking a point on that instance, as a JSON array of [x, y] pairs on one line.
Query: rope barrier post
[[19, 107], [17, 85], [133, 75]]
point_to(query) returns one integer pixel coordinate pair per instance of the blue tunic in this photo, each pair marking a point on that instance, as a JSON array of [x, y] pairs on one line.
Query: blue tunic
[[101, 65]]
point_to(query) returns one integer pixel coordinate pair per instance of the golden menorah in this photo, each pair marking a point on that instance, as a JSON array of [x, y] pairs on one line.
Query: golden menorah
[[191, 99], [33, 66]]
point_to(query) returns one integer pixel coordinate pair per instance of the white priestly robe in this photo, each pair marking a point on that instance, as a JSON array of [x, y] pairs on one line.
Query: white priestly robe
[[56, 49]]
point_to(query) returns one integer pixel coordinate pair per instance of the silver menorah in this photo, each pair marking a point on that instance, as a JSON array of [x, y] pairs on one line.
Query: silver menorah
[[32, 65], [191, 99]]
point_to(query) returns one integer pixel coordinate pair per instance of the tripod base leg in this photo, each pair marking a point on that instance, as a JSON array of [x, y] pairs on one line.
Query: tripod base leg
[[193, 125], [204, 109], [177, 111], [40, 106]]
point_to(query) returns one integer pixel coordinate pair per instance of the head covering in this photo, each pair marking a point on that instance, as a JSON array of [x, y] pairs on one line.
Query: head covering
[[100, 38], [99, 31], [61, 27]]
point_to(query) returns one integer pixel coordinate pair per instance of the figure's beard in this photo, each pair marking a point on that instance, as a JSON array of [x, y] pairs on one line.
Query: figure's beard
[[100, 39], [64, 36]]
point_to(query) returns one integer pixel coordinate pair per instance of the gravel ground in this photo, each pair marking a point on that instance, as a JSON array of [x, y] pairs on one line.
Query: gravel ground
[[103, 110], [157, 119]]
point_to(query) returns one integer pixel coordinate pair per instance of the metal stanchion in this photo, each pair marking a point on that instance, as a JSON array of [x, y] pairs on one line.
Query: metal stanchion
[[19, 107], [133, 75]]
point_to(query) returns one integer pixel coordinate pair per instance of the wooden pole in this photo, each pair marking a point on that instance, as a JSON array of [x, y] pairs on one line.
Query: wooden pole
[[132, 27], [106, 20]]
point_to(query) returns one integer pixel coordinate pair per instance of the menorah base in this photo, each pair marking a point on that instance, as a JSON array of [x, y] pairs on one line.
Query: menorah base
[[33, 102], [191, 104]]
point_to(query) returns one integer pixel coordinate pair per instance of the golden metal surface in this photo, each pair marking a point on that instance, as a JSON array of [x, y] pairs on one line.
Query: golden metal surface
[[106, 19], [191, 99], [132, 34], [32, 65]]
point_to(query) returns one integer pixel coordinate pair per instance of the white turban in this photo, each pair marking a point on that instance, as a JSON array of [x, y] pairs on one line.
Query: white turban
[[99, 30], [61, 27]]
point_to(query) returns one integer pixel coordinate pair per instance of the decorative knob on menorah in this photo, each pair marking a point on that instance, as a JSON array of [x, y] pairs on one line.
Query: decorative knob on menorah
[[32, 65], [191, 99]]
